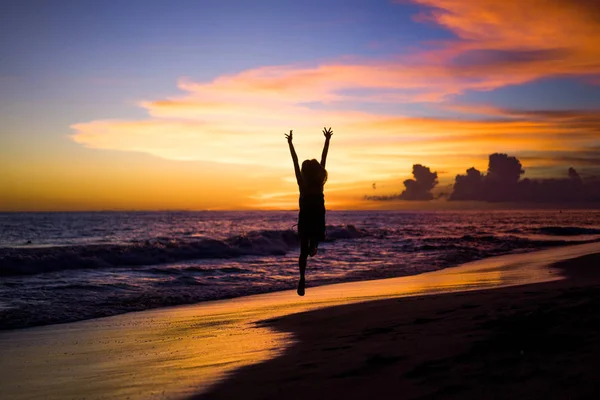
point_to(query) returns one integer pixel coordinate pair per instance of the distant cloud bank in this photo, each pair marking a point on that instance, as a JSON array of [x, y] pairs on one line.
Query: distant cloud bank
[[501, 183]]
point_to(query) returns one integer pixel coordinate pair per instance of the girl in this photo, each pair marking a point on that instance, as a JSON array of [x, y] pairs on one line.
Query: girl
[[311, 219]]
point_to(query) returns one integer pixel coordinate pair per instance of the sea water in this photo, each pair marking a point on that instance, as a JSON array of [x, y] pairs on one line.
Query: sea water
[[59, 267]]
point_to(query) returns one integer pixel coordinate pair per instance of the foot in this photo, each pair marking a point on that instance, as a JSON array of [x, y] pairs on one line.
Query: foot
[[312, 251], [301, 284]]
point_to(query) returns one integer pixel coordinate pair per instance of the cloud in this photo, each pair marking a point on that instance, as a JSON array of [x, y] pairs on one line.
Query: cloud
[[585, 157], [366, 146], [240, 118], [420, 187], [503, 183], [417, 189], [469, 186], [490, 58], [504, 170], [559, 36], [500, 43]]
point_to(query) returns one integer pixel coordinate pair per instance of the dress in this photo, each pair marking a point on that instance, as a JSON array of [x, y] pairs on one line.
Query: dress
[[311, 219]]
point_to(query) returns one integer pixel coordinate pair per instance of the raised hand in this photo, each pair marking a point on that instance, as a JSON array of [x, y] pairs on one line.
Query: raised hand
[[289, 136], [327, 133]]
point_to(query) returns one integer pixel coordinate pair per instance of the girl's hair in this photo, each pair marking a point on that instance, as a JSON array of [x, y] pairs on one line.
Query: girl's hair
[[314, 174]]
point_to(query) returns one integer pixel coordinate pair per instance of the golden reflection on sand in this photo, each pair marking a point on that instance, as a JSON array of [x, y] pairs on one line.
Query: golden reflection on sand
[[174, 352]]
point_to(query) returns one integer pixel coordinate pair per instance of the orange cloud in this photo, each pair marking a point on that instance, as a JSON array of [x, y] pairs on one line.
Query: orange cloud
[[516, 41], [240, 118]]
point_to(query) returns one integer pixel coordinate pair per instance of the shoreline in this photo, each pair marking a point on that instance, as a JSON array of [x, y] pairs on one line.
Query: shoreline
[[110, 266], [531, 341], [12, 318], [180, 351]]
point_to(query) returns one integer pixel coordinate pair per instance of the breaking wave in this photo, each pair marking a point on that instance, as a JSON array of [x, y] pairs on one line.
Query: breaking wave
[[28, 261]]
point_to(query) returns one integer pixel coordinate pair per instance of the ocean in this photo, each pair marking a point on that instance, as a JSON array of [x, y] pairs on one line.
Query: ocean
[[62, 267]]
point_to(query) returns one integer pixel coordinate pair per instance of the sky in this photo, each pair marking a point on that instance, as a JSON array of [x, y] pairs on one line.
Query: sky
[[143, 105]]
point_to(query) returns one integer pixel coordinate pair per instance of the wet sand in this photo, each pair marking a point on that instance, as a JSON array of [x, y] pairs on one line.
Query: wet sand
[[537, 341], [340, 341]]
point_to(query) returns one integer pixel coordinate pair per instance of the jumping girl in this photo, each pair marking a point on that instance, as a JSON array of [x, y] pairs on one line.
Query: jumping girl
[[311, 219]]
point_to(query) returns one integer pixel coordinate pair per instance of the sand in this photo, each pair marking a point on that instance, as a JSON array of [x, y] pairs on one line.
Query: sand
[[529, 334], [533, 341]]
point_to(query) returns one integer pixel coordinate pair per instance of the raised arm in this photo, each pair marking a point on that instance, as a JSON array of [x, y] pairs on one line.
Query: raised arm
[[295, 159], [327, 133]]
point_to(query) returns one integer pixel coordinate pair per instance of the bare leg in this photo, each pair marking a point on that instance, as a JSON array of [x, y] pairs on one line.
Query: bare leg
[[313, 244], [302, 264]]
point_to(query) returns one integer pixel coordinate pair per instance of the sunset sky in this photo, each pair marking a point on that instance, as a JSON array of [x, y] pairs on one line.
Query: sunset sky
[[145, 104]]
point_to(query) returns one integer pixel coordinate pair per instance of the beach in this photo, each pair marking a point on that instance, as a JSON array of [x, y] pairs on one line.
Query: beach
[[531, 341], [299, 200], [516, 325]]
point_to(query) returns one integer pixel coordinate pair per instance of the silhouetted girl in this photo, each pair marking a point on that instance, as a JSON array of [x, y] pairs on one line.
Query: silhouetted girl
[[311, 219]]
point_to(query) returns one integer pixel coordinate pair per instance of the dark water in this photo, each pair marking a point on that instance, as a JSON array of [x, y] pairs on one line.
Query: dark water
[[58, 267]]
